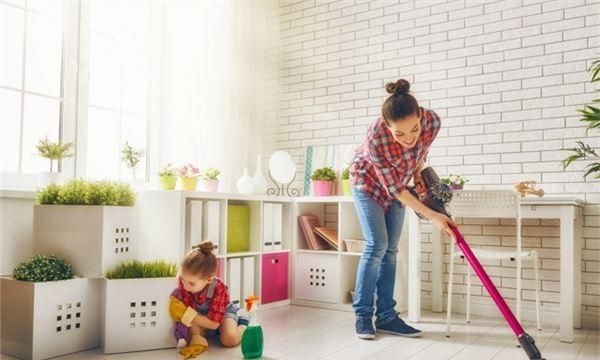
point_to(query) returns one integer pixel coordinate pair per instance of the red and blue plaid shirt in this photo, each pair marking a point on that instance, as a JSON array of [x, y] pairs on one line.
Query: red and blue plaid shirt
[[218, 302], [383, 168]]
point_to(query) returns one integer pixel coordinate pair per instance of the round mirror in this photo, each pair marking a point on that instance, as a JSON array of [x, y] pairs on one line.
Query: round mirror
[[282, 167]]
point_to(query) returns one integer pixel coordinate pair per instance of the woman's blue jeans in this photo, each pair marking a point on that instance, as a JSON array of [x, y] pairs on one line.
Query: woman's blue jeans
[[377, 266]]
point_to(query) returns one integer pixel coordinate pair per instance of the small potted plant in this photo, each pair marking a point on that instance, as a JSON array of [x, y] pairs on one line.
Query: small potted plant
[[209, 180], [43, 297], [188, 177], [168, 177], [135, 303], [323, 181], [455, 181], [346, 182], [81, 217], [53, 152], [131, 157]]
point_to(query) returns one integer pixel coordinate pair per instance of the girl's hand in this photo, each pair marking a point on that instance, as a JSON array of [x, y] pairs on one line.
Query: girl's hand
[[442, 222]]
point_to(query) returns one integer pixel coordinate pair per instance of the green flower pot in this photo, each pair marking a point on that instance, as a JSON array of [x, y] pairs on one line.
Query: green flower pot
[[168, 182]]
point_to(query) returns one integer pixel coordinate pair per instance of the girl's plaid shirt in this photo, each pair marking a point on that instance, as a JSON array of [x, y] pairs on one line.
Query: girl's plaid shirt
[[382, 168]]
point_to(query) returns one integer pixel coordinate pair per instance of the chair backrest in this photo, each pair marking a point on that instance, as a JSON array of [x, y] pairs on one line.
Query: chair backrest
[[485, 204]]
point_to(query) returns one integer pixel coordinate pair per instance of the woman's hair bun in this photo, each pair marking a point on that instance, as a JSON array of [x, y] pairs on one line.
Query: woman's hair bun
[[400, 87], [205, 247]]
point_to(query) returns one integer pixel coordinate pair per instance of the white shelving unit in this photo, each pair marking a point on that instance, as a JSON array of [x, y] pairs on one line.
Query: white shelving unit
[[165, 222]]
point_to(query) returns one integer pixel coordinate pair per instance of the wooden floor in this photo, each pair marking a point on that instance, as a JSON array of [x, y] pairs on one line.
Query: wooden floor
[[302, 333]]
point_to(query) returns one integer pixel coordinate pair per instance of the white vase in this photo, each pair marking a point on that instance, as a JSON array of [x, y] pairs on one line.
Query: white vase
[[245, 184], [260, 182]]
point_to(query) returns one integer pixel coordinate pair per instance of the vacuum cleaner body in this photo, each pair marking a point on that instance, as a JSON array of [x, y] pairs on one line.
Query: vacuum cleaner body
[[436, 196]]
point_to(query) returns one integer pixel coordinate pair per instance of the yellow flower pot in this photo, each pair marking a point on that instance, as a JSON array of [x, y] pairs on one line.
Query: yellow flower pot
[[346, 187], [188, 183]]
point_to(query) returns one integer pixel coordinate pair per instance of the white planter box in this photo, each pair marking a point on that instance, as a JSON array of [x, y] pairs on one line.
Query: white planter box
[[48, 319], [136, 315], [92, 238]]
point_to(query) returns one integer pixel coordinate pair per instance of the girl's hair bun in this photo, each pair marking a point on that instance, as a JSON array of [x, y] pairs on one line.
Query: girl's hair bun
[[400, 87], [205, 247]]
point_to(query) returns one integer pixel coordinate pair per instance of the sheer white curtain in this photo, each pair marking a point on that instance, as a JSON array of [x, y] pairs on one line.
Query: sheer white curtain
[[213, 84]]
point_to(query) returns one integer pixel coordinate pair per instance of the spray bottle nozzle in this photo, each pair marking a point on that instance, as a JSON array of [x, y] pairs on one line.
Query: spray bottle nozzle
[[251, 300]]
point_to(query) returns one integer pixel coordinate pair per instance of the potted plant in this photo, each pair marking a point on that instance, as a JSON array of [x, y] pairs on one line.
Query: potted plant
[[82, 217], [168, 177], [591, 116], [209, 180], [46, 312], [456, 182], [131, 157], [135, 307], [346, 182], [188, 177], [53, 152], [323, 179]]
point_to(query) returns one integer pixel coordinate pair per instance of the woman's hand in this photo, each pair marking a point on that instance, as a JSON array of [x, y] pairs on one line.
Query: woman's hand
[[442, 222]]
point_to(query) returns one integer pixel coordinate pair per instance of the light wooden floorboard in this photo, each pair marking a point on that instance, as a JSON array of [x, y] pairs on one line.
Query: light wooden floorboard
[[304, 333]]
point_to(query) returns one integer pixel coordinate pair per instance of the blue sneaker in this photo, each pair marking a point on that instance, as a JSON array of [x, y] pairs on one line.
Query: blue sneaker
[[364, 328], [398, 327]]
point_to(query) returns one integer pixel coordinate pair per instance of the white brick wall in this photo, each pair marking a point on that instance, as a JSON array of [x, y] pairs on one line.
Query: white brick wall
[[505, 76]]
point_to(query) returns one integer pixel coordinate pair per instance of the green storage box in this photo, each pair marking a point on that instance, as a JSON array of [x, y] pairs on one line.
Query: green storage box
[[238, 228]]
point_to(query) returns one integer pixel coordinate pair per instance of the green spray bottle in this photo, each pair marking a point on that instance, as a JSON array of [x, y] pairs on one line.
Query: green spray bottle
[[252, 340]]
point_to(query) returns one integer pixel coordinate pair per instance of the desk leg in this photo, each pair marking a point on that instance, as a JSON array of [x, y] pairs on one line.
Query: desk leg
[[567, 273], [414, 267], [437, 273]]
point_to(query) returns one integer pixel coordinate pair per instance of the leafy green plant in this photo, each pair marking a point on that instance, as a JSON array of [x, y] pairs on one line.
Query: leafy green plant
[[324, 174], [131, 157], [81, 192], [140, 270], [53, 151], [346, 174], [454, 179], [168, 170], [591, 116], [43, 268], [210, 174]]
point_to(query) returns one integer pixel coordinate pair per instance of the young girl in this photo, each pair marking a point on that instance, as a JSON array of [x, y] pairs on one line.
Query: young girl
[[201, 303]]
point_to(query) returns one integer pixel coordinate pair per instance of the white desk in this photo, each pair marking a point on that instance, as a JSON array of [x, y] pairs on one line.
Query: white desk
[[568, 209]]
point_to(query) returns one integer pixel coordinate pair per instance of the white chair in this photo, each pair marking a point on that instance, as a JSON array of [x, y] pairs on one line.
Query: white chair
[[491, 204]]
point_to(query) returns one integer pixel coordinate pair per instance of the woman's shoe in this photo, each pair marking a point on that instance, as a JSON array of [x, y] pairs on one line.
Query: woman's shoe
[[364, 328]]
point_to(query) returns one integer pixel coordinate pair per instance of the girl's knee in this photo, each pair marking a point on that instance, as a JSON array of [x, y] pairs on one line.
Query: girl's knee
[[229, 339]]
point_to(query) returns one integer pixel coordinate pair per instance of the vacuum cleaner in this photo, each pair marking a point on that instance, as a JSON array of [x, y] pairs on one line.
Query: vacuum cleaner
[[436, 196]]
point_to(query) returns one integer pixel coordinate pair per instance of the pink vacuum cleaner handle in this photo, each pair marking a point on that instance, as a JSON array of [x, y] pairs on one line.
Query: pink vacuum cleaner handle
[[487, 282], [525, 340]]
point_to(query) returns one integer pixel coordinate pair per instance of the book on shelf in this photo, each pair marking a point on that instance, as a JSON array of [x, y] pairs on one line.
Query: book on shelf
[[329, 235], [307, 224]]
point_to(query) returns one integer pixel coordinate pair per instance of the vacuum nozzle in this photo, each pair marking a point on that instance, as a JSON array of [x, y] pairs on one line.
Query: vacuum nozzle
[[437, 194]]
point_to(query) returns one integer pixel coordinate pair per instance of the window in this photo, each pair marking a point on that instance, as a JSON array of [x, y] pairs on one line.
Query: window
[[119, 80], [31, 73]]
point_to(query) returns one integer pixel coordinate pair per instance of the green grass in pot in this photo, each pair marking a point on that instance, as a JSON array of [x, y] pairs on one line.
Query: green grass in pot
[[142, 270], [82, 192]]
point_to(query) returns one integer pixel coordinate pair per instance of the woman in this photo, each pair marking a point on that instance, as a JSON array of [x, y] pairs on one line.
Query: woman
[[393, 152]]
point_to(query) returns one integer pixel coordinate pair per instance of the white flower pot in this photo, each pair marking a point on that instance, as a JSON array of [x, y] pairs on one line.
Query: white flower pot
[[47, 319], [92, 238], [135, 315]]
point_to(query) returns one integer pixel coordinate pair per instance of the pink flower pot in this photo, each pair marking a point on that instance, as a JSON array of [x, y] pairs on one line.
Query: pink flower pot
[[456, 187], [322, 188], [208, 185]]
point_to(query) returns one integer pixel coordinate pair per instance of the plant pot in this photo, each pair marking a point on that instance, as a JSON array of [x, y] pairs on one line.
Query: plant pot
[[92, 238], [168, 182], [346, 189], [208, 185], [456, 187], [188, 183], [135, 315], [322, 187], [47, 319]]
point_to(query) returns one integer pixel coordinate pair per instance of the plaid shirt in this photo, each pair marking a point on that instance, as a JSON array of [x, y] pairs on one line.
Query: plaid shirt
[[218, 303], [383, 168]]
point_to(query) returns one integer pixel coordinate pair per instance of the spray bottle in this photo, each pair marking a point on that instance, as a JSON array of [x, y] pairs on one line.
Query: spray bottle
[[252, 340]]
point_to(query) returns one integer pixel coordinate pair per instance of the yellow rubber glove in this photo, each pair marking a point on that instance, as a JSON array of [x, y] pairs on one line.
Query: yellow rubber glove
[[198, 345], [180, 312]]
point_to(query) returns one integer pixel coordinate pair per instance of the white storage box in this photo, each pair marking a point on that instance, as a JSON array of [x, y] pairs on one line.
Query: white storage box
[[317, 277], [47, 319], [135, 315], [92, 238]]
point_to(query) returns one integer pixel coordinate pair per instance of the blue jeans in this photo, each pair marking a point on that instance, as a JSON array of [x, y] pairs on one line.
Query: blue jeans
[[377, 266]]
